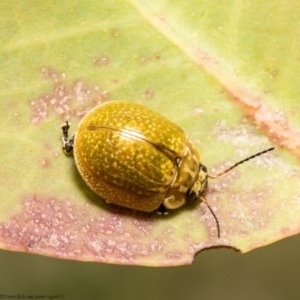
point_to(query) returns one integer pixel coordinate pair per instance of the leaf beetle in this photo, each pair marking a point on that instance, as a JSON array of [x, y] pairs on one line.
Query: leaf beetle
[[134, 157]]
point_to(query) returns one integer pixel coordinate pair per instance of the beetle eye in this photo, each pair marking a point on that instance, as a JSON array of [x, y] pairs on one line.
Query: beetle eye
[[203, 168]]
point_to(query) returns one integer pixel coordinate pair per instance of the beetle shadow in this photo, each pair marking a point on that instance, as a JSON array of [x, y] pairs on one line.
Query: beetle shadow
[[87, 193], [99, 202]]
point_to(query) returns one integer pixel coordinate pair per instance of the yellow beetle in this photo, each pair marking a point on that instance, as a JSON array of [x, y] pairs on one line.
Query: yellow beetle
[[134, 157]]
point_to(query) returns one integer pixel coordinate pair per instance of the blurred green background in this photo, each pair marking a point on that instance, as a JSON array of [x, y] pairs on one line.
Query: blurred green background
[[267, 273]]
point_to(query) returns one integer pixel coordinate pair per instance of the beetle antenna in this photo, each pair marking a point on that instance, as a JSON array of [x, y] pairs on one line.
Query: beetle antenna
[[213, 214], [241, 162]]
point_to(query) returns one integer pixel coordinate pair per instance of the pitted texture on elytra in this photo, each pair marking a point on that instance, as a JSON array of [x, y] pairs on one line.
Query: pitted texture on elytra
[[129, 154]]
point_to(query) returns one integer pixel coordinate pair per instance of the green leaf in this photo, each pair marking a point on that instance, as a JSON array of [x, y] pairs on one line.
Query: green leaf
[[227, 73]]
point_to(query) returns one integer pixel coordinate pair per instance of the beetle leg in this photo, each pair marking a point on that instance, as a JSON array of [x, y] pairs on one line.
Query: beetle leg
[[67, 143], [65, 129], [162, 210]]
